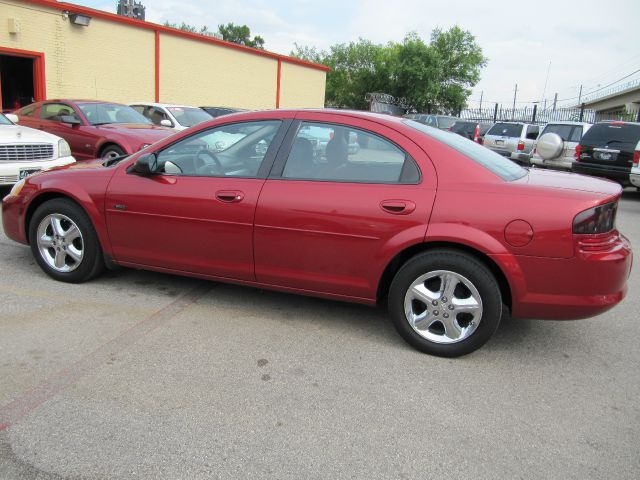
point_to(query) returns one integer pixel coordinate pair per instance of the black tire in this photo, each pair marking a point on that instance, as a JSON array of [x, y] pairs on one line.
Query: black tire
[[111, 151], [91, 263], [462, 266]]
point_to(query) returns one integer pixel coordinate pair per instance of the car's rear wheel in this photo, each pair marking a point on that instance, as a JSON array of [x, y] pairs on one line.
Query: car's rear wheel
[[445, 303], [110, 152], [64, 242]]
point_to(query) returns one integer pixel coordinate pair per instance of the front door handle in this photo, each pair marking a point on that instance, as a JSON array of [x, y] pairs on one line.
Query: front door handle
[[398, 207], [229, 196]]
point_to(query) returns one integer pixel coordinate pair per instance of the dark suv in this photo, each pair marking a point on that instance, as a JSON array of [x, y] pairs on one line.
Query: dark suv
[[470, 129], [606, 150]]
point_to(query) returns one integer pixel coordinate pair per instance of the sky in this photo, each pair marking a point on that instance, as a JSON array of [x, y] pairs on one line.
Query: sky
[[561, 43]]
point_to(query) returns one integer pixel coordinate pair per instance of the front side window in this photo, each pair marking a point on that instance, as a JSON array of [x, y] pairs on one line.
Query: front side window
[[55, 112], [330, 152], [234, 150]]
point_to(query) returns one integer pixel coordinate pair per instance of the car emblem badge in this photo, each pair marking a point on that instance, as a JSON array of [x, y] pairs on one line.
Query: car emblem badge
[[19, 134]]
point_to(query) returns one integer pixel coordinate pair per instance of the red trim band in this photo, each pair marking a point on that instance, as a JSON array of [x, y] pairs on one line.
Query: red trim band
[[62, 6], [157, 66], [278, 83]]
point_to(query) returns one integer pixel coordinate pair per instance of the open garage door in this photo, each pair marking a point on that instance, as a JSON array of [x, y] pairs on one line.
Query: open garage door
[[21, 78]]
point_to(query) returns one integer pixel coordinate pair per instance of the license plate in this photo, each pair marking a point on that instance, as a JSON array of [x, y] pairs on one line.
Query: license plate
[[603, 155], [499, 142], [26, 173]]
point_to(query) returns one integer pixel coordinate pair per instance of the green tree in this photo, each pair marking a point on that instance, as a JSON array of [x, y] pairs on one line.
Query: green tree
[[240, 34], [430, 76]]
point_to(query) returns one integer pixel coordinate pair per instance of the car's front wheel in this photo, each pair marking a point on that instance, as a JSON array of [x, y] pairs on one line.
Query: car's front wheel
[[445, 303], [64, 242], [111, 152]]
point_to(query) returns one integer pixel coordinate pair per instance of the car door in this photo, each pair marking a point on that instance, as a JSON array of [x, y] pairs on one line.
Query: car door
[[331, 224], [196, 215], [81, 137]]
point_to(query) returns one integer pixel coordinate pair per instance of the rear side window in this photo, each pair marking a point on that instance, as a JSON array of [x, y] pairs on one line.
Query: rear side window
[[615, 135], [532, 132], [338, 153], [501, 166], [506, 130]]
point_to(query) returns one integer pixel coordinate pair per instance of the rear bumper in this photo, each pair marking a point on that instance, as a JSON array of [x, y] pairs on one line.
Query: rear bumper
[[635, 179], [619, 175], [562, 163], [586, 285], [521, 157]]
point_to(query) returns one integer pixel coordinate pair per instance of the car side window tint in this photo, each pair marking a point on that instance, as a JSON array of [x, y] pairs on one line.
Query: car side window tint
[[330, 152], [234, 150], [576, 134], [55, 112], [27, 111], [532, 132], [156, 115]]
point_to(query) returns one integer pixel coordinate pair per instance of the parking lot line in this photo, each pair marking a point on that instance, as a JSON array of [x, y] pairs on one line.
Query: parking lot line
[[29, 401]]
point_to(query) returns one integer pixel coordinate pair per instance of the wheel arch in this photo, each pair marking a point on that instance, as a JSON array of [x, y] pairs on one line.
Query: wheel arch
[[107, 144], [401, 258]]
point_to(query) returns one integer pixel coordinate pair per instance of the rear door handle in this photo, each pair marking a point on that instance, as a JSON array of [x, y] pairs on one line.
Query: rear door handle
[[398, 207], [229, 196]]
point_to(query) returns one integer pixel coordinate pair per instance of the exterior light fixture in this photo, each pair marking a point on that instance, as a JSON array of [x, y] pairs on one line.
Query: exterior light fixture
[[80, 19]]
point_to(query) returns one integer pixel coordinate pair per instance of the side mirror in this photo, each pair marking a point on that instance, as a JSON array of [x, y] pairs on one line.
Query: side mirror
[[166, 123], [70, 120], [12, 117], [146, 164]]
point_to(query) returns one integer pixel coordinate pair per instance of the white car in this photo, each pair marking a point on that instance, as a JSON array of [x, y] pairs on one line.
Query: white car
[[178, 117], [635, 168], [556, 146], [24, 150]]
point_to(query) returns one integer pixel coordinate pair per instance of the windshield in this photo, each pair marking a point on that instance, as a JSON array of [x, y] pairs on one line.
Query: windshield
[[501, 166], [506, 130], [4, 120], [102, 113], [189, 116]]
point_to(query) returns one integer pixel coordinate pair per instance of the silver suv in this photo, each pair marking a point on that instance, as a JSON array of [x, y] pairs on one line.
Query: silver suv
[[512, 139], [557, 144]]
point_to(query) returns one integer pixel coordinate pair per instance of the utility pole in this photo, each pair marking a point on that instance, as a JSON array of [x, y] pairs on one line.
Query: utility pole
[[481, 99], [515, 93], [580, 96], [555, 100], [544, 90]]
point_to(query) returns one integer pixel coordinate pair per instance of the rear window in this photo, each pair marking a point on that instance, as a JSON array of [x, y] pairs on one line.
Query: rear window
[[612, 134], [565, 132], [464, 127], [446, 122], [506, 130], [501, 166]]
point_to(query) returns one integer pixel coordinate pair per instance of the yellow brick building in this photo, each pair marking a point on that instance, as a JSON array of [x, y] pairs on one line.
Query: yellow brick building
[[46, 52]]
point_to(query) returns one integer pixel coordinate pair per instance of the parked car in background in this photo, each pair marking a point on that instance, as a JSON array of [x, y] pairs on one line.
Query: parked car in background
[[513, 140], [472, 130], [216, 112], [177, 117], [608, 150], [556, 145], [92, 128], [443, 122], [634, 177], [24, 150], [395, 223]]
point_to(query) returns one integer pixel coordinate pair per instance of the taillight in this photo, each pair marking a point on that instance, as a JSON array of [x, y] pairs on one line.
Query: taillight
[[576, 154], [600, 219], [520, 145], [636, 158], [476, 134]]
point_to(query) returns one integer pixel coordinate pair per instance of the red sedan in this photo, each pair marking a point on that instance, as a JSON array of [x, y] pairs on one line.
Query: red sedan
[[446, 232], [93, 129]]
